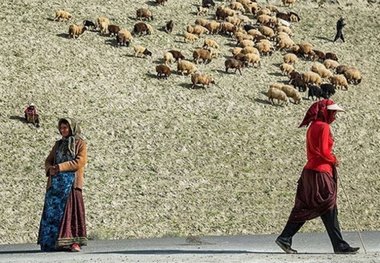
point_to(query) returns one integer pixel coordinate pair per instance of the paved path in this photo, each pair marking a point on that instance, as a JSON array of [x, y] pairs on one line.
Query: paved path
[[312, 247]]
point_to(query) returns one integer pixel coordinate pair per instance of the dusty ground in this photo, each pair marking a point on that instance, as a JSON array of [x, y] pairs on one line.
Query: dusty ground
[[164, 159]]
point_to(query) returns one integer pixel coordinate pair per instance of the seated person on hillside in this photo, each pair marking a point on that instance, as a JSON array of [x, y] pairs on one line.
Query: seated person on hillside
[[31, 115]]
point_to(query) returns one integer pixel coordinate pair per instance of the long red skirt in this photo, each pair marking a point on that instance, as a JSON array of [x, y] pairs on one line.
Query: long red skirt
[[316, 194], [73, 225]]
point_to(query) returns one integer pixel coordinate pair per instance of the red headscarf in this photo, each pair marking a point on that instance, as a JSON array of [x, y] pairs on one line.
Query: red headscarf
[[319, 111]]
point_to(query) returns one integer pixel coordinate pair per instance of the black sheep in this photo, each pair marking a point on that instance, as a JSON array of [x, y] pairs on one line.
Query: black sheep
[[328, 90], [89, 24], [315, 91]]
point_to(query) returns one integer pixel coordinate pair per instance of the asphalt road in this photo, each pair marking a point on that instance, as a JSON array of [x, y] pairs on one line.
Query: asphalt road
[[312, 247]]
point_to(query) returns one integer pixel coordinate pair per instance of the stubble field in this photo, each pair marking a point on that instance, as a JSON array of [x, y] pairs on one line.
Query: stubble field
[[165, 159]]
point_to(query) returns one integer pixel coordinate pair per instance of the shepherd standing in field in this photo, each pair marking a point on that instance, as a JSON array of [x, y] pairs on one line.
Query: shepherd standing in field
[[63, 224], [339, 29], [317, 187]]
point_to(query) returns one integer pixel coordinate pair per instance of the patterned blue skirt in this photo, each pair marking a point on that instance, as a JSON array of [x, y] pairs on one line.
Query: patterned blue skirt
[[54, 208]]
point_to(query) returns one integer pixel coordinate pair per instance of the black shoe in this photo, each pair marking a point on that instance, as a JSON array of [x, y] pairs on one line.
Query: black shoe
[[348, 250], [285, 247]]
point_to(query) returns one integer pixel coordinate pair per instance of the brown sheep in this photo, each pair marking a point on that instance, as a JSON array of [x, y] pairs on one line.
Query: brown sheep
[[202, 54], [102, 23], [141, 28], [184, 66], [113, 30], [144, 13], [319, 55], [197, 30], [213, 27], [311, 78], [286, 69], [188, 37], [353, 75], [203, 79], [201, 22], [234, 64], [163, 71], [267, 31], [177, 54], [61, 15], [141, 51], [279, 95], [291, 92], [332, 56], [330, 64], [124, 37], [76, 30], [210, 43], [339, 81], [290, 58]]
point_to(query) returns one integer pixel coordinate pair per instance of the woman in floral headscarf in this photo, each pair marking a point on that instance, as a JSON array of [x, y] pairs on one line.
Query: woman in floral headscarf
[[317, 186], [63, 224]]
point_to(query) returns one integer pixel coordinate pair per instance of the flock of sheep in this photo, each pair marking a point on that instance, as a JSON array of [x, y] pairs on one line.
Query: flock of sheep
[[256, 29]]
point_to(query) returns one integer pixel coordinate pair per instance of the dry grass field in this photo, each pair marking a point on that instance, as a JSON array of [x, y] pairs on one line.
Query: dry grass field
[[165, 159]]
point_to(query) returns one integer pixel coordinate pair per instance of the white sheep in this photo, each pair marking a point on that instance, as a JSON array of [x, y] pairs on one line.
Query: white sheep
[[290, 58], [279, 95], [286, 68], [61, 15], [184, 66]]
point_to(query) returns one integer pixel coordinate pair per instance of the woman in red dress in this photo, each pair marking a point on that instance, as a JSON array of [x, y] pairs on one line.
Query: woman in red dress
[[317, 187]]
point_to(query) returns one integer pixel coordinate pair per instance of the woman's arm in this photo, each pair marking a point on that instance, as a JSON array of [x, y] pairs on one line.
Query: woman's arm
[[79, 161], [326, 146], [49, 162]]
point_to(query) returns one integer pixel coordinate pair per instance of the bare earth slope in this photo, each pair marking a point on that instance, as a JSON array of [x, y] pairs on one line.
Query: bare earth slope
[[164, 159]]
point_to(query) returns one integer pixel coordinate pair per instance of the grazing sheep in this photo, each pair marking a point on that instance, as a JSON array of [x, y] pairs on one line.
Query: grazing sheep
[[250, 49], [102, 23], [285, 29], [184, 66], [246, 43], [213, 27], [61, 15], [315, 91], [208, 3], [276, 85], [163, 71], [291, 92], [202, 54], [237, 6], [161, 2], [234, 64], [188, 37], [327, 89], [177, 54], [306, 49], [263, 11], [321, 70], [168, 58], [169, 26], [203, 79], [311, 78], [266, 19], [227, 28], [339, 81], [286, 68], [113, 30], [341, 69], [197, 30], [264, 48], [288, 2], [223, 12], [297, 81], [290, 58], [284, 42], [144, 13], [210, 43], [267, 31], [76, 30], [89, 24], [319, 55], [331, 64], [141, 28], [233, 20], [141, 51], [332, 56], [201, 21], [202, 11], [236, 50], [353, 75], [279, 95], [251, 58], [124, 37]]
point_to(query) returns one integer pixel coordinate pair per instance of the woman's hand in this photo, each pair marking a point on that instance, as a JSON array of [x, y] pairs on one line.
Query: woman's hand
[[53, 170]]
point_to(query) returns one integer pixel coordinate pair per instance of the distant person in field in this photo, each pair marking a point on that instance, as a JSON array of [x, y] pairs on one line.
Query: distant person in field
[[317, 187], [63, 226], [339, 29], [31, 115]]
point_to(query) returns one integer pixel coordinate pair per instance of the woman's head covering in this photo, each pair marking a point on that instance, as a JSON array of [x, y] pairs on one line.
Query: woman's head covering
[[74, 135], [321, 110]]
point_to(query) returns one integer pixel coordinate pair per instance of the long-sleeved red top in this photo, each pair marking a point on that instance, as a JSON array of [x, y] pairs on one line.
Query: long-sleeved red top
[[319, 144]]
